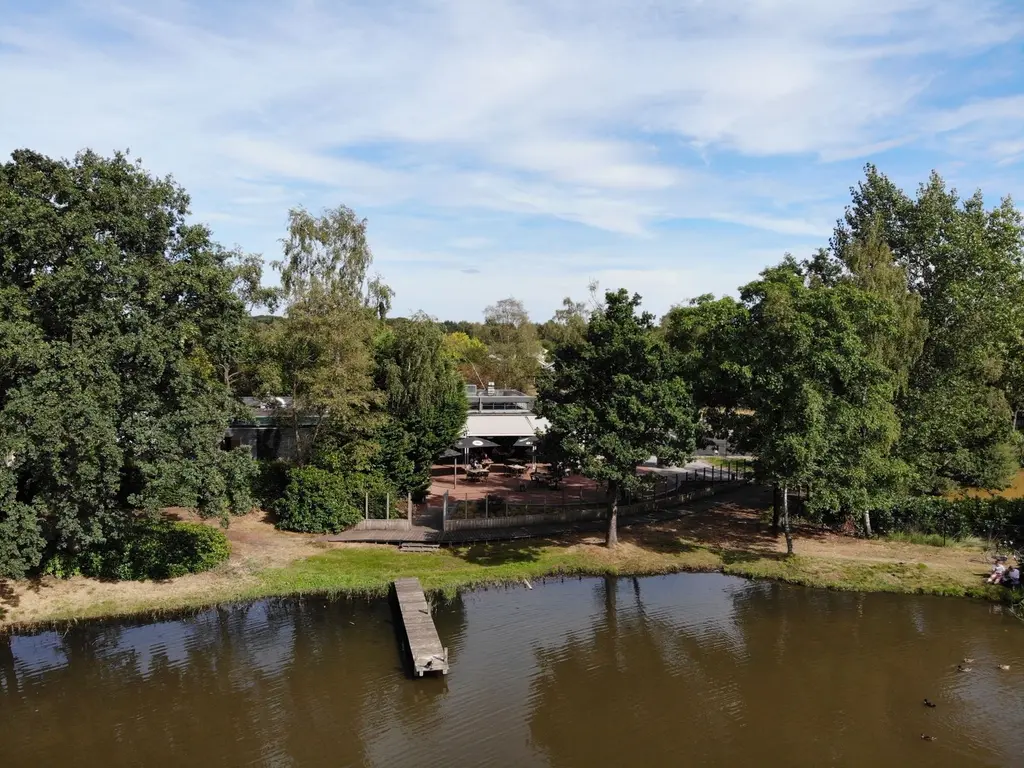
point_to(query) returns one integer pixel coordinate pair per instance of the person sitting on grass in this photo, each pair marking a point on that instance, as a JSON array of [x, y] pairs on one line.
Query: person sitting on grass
[[1012, 578], [998, 571]]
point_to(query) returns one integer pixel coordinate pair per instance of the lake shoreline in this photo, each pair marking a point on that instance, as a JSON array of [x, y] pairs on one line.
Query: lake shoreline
[[726, 536]]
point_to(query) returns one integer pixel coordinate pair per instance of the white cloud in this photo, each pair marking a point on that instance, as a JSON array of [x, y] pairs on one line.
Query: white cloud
[[612, 115]]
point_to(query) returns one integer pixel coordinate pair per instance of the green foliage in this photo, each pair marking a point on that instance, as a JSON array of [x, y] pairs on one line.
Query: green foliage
[[321, 354], [616, 398], [147, 548], [987, 519], [424, 398], [316, 501], [470, 355], [319, 501], [113, 311], [270, 482], [965, 264], [514, 347]]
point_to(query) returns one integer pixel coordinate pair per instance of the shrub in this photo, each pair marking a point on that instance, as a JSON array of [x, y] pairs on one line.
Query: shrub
[[316, 501], [144, 548], [319, 501], [241, 474], [270, 482], [952, 519]]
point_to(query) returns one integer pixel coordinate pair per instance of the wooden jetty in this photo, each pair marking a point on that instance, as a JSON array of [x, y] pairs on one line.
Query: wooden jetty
[[421, 641]]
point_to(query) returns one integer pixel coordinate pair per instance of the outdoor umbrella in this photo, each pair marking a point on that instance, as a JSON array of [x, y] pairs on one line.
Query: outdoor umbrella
[[449, 454], [531, 441], [474, 442]]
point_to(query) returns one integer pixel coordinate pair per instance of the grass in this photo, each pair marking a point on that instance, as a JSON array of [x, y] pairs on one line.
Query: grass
[[719, 461], [732, 540], [934, 540]]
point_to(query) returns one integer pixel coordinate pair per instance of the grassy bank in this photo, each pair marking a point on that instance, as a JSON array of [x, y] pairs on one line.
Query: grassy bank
[[723, 534]]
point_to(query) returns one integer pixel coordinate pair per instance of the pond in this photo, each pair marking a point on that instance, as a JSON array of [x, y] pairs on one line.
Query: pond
[[690, 669]]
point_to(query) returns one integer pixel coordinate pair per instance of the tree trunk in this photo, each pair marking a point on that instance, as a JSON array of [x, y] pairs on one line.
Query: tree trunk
[[785, 519], [613, 514], [776, 512], [867, 523]]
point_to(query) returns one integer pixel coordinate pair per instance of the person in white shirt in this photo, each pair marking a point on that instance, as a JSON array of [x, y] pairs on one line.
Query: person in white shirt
[[996, 577]]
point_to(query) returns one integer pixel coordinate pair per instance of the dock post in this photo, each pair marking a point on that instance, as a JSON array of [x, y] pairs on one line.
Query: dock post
[[366, 506], [387, 505], [408, 508]]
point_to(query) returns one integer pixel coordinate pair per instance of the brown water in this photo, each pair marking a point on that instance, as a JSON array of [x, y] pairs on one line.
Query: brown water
[[678, 670]]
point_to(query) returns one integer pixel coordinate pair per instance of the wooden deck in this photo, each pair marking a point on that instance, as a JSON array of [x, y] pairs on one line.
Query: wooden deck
[[421, 641]]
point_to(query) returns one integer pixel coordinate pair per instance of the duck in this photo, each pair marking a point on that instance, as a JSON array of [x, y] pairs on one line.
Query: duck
[[929, 704], [968, 661], [926, 737], [1004, 667], [962, 668]]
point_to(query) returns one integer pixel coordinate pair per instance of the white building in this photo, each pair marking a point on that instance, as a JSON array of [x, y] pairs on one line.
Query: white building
[[499, 414]]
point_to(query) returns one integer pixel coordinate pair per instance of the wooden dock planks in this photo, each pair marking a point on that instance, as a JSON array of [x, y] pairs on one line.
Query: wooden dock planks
[[424, 646]]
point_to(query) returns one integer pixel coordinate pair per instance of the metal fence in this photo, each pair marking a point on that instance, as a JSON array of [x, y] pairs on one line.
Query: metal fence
[[661, 486]]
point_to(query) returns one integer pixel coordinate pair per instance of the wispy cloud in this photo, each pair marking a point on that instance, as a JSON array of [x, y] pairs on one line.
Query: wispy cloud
[[589, 119]]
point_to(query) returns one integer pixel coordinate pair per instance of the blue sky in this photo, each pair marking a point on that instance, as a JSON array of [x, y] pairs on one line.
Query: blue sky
[[524, 147]]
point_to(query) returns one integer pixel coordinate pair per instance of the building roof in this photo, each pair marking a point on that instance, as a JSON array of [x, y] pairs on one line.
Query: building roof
[[504, 424]]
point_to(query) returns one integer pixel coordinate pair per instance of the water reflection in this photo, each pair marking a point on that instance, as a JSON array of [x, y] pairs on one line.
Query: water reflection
[[692, 669]]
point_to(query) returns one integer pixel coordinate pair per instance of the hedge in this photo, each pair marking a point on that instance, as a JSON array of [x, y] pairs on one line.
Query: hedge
[[317, 500], [956, 519], [144, 548]]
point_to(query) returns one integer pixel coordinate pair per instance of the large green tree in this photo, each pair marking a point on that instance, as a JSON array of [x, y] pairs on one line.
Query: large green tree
[[615, 397], [965, 263], [424, 398], [114, 310]]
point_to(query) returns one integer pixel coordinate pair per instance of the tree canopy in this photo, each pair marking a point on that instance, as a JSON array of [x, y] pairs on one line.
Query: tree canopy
[[114, 311], [614, 398]]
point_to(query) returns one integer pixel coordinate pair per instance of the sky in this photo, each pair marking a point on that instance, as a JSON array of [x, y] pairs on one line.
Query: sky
[[526, 147]]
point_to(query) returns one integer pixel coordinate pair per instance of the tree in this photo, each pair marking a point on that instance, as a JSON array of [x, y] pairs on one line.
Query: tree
[[321, 355], [867, 472], [819, 413], [707, 336], [424, 397], [470, 355], [238, 369], [615, 398], [330, 254], [569, 323], [965, 264], [113, 311], [513, 343]]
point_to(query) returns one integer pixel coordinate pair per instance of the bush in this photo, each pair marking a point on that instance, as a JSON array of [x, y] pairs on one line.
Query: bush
[[954, 519], [144, 548], [318, 501], [241, 474], [270, 482]]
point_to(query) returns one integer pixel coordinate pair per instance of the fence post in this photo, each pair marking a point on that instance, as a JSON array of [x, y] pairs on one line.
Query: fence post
[[408, 508], [366, 506]]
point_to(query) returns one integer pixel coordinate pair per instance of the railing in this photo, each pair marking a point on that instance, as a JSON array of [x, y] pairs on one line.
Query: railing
[[516, 515], [385, 514]]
